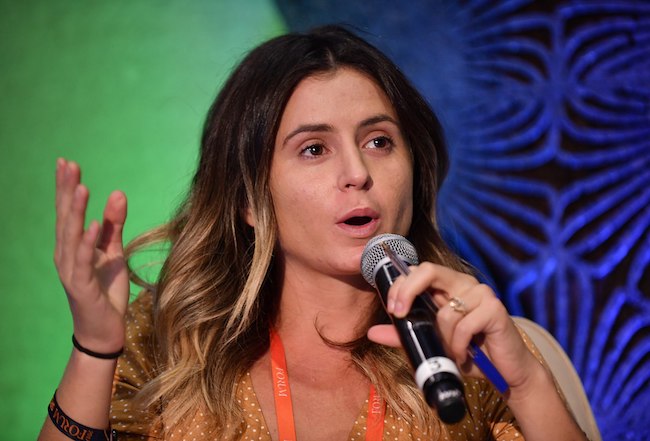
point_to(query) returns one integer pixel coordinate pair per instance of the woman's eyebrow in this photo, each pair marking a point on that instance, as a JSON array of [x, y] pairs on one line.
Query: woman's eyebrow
[[328, 128], [307, 128], [377, 119]]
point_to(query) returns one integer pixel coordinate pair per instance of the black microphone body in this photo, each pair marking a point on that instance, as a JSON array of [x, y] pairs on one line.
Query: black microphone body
[[435, 374]]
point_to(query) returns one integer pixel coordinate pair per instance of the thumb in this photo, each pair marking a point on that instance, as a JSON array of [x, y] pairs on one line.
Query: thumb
[[385, 335]]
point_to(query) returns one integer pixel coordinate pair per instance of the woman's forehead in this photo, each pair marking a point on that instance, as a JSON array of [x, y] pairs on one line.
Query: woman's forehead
[[341, 96]]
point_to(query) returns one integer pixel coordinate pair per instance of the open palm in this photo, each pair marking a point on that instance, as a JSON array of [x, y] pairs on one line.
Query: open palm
[[91, 262]]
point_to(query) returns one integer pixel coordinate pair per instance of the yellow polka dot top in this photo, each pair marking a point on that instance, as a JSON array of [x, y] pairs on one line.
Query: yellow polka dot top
[[488, 417]]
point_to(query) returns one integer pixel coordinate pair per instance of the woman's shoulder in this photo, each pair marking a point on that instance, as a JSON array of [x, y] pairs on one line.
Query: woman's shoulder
[[134, 369], [140, 309], [134, 366], [139, 326]]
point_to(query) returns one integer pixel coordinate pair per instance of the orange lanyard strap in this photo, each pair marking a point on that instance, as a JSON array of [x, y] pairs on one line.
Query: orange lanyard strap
[[284, 407], [376, 411], [281, 391]]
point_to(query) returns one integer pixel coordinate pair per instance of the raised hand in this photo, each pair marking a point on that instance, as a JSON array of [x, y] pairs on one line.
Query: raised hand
[[91, 262]]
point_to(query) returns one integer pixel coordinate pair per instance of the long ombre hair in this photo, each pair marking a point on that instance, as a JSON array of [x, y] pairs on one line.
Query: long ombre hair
[[214, 298]]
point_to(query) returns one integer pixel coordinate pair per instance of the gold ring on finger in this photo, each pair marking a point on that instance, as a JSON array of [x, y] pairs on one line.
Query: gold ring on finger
[[458, 305]]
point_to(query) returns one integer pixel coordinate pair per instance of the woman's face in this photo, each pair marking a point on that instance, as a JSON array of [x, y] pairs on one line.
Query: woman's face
[[341, 172]]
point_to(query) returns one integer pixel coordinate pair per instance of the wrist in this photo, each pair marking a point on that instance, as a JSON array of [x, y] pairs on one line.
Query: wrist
[[538, 382], [86, 388], [111, 342], [539, 408], [95, 354], [526, 374], [75, 430]]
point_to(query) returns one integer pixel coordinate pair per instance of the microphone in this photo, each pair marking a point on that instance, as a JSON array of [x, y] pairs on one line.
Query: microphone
[[435, 374]]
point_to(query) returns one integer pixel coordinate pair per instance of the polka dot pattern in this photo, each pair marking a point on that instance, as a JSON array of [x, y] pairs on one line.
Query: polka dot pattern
[[488, 416]]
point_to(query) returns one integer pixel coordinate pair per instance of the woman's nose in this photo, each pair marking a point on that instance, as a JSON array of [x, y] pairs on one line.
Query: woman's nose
[[354, 171]]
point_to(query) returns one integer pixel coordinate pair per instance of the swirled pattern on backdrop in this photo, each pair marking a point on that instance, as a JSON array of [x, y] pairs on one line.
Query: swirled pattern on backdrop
[[547, 111]]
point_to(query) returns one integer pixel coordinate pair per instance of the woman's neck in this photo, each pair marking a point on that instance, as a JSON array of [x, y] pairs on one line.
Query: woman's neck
[[325, 383], [337, 309]]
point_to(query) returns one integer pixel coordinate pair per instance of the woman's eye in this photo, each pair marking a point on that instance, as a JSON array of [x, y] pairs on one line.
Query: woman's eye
[[381, 142], [313, 150]]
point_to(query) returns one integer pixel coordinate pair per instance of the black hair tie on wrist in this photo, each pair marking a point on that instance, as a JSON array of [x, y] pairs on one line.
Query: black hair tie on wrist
[[110, 356]]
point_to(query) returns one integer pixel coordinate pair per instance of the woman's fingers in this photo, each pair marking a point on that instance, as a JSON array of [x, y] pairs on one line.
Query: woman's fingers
[[114, 217], [60, 171], [447, 320], [73, 229], [478, 312], [468, 312], [440, 281], [384, 335], [84, 275], [61, 167], [68, 176], [474, 310]]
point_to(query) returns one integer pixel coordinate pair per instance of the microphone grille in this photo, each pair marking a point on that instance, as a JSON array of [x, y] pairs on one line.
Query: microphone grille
[[374, 253]]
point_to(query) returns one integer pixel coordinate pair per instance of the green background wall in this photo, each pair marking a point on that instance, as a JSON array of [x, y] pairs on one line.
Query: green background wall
[[121, 87]]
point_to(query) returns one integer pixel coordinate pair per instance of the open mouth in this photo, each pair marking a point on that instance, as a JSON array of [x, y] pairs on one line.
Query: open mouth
[[358, 220]]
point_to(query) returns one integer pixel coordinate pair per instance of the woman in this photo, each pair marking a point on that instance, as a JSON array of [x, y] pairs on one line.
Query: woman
[[260, 323]]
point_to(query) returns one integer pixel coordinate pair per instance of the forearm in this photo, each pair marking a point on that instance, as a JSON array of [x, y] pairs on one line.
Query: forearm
[[84, 394], [540, 411]]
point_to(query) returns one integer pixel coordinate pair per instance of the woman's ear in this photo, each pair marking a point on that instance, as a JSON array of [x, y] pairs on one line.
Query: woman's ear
[[247, 213]]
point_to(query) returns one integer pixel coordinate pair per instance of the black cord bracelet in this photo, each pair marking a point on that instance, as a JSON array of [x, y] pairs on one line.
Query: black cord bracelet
[[75, 430], [96, 354]]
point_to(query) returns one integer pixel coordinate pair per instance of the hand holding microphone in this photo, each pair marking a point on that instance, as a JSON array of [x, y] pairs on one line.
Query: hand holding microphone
[[383, 260]]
